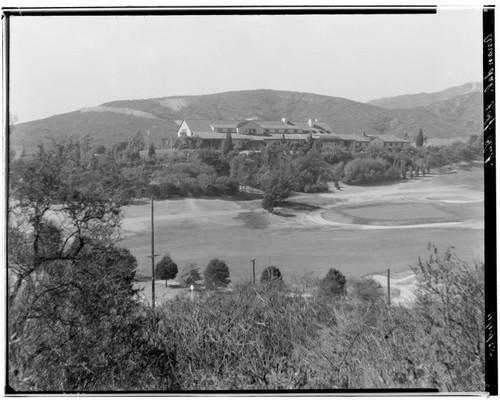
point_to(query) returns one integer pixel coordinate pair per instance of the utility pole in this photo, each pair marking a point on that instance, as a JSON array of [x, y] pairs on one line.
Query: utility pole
[[253, 269], [153, 255], [389, 286]]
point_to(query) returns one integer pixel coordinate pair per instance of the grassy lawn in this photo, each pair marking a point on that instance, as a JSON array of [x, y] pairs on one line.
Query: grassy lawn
[[196, 230]]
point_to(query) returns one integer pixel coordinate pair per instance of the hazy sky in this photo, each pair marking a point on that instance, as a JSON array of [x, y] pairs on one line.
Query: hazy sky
[[60, 64]]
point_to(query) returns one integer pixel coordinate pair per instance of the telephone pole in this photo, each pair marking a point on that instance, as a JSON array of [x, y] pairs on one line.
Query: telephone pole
[[253, 269], [153, 255], [389, 286]]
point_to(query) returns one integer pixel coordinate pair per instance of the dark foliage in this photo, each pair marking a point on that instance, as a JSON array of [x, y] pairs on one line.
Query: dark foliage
[[166, 269], [333, 284], [216, 274], [271, 274]]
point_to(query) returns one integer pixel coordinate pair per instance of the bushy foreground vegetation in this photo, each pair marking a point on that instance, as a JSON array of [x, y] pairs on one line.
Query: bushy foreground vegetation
[[78, 326]]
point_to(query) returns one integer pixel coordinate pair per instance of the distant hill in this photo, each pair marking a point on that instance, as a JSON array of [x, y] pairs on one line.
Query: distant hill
[[458, 117], [112, 122], [425, 99], [105, 127]]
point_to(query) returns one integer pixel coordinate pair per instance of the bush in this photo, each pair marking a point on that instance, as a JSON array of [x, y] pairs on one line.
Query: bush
[[271, 274], [166, 269], [367, 290], [366, 170], [216, 274], [333, 284]]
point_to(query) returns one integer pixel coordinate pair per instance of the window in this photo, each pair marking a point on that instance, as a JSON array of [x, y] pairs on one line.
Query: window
[[251, 131]]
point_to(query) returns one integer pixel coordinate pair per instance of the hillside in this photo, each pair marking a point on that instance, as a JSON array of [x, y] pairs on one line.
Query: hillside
[[458, 117], [104, 126], [109, 123], [425, 99]]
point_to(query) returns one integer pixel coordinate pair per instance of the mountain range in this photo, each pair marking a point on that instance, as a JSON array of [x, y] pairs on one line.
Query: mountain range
[[457, 113]]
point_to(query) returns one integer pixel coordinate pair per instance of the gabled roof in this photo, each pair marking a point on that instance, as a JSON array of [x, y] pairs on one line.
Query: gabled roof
[[205, 125], [243, 123], [317, 125]]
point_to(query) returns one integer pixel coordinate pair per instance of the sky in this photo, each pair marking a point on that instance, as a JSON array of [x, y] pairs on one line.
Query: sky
[[63, 63]]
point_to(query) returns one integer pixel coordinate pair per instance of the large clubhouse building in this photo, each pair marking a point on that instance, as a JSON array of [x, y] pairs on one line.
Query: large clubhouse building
[[252, 134]]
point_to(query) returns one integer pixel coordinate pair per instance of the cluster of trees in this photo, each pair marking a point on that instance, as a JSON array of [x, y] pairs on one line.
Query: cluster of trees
[[73, 319], [216, 274], [277, 170], [195, 178]]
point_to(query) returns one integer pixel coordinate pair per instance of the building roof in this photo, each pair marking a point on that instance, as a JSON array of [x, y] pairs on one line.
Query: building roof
[[222, 136], [225, 124], [205, 125], [273, 124], [288, 136], [390, 138], [351, 137]]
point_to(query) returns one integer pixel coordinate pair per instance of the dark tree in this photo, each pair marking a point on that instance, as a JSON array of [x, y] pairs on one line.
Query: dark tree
[[269, 201], [228, 145], [277, 189], [166, 269], [333, 284], [216, 274], [152, 150], [271, 274], [100, 149], [419, 141]]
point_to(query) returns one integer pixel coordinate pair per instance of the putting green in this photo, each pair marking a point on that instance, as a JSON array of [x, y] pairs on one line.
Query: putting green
[[390, 214]]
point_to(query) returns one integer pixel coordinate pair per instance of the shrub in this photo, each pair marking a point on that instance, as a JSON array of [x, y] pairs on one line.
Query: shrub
[[333, 284], [166, 269], [271, 274], [367, 290], [216, 274]]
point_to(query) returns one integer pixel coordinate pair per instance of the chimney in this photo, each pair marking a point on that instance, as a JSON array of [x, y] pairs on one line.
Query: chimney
[[284, 120], [310, 122]]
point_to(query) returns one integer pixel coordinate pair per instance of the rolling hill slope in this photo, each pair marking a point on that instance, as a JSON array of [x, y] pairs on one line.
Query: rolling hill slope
[[112, 122], [425, 99]]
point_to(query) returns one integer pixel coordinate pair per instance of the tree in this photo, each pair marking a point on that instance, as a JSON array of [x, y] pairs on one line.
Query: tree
[[450, 307], [166, 269], [152, 150], [277, 189], [64, 183], [228, 145], [101, 149], [269, 201], [189, 275], [216, 274], [419, 140], [271, 274], [333, 284]]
